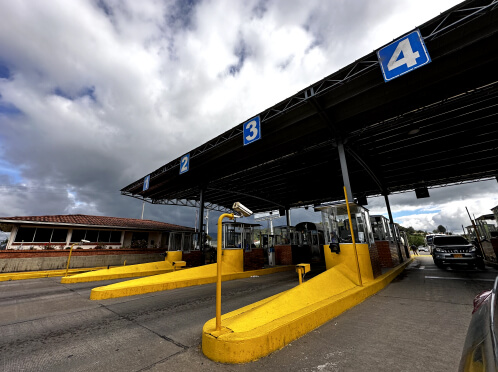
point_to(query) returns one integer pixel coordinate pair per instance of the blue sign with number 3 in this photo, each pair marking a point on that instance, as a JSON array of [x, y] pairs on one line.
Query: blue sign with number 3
[[252, 130], [403, 55]]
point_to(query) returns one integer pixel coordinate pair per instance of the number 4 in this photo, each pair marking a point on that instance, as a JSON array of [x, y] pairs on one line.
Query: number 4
[[409, 57]]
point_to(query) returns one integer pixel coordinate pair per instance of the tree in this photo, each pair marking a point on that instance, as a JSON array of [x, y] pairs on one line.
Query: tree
[[441, 229], [416, 240]]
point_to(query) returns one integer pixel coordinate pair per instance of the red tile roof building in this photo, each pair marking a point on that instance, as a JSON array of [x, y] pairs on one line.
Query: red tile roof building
[[38, 232]]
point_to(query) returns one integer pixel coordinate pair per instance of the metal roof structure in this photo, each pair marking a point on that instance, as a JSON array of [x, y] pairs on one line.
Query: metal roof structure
[[434, 126]]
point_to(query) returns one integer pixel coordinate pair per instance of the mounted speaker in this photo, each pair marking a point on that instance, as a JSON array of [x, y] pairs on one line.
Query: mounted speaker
[[361, 200], [422, 192], [281, 211]]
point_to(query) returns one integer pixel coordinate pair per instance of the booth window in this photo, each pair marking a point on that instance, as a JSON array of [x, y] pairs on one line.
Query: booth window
[[59, 236], [43, 235], [25, 234], [78, 236]]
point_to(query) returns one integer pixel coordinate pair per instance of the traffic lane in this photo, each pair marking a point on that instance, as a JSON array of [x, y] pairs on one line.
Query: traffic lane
[[415, 324], [129, 333], [36, 298], [187, 309]]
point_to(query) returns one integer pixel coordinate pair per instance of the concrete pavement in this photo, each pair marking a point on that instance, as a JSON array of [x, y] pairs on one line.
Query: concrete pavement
[[417, 323]]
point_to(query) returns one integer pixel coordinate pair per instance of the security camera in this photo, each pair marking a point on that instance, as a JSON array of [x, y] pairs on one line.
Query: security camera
[[239, 208], [85, 241]]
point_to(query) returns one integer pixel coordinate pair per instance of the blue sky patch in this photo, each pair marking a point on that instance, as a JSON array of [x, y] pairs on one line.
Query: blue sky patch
[[414, 212], [7, 108], [13, 173], [86, 91], [4, 71]]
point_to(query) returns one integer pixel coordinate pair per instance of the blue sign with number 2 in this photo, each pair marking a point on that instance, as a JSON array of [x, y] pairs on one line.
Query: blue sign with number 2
[[252, 130]]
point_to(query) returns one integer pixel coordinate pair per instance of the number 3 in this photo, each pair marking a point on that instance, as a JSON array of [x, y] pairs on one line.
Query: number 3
[[251, 126]]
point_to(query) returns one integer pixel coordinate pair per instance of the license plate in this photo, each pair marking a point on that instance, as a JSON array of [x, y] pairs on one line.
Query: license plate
[[458, 255]]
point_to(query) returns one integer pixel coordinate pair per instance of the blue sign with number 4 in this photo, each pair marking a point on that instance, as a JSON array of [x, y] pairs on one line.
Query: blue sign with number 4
[[403, 55], [252, 130]]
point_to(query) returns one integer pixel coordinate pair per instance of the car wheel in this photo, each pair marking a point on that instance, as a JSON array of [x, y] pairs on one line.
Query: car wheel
[[481, 265]]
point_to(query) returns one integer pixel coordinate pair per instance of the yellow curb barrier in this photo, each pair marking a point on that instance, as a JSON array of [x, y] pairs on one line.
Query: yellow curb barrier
[[119, 272], [177, 279], [42, 274], [258, 329]]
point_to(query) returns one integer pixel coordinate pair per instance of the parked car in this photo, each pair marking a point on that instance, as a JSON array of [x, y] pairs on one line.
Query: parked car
[[480, 349], [452, 249], [423, 249]]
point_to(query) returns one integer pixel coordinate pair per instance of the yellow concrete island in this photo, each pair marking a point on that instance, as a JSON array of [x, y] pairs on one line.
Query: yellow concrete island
[[258, 329], [131, 271], [232, 261]]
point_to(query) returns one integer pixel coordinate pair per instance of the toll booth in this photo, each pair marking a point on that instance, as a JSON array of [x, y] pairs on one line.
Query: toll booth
[[404, 244], [311, 235], [237, 235], [184, 241], [267, 243], [385, 241], [286, 235], [338, 236], [381, 229]]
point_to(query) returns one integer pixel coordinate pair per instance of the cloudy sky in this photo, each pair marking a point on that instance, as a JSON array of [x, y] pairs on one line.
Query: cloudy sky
[[96, 94]]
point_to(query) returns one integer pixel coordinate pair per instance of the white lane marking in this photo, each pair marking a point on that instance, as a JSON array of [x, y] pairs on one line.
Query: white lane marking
[[421, 268], [448, 278]]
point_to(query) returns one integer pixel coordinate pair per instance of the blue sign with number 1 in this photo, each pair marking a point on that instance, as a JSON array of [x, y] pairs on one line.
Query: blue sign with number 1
[[252, 130], [403, 55], [146, 183]]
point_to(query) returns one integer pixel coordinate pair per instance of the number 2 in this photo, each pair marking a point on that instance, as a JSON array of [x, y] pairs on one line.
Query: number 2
[[184, 164]]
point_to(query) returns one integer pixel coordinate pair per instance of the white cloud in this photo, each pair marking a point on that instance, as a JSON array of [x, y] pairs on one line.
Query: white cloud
[[111, 90]]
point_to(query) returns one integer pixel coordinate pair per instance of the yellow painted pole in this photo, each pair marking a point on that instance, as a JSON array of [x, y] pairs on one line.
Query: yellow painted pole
[[69, 258], [360, 283], [218, 282], [300, 275]]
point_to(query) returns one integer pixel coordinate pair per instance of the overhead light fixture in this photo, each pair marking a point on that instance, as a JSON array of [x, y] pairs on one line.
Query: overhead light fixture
[[414, 131]]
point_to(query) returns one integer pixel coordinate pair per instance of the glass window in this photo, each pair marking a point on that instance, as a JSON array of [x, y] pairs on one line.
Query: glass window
[[450, 240], [59, 235], [104, 236], [115, 237], [92, 235], [78, 236], [43, 235], [25, 234]]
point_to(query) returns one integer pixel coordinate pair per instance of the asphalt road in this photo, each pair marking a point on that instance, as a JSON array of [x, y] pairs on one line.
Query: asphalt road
[[418, 323]]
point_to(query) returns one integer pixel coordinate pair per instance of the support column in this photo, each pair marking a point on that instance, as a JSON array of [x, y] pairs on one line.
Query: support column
[[287, 215], [201, 226], [391, 223], [344, 169]]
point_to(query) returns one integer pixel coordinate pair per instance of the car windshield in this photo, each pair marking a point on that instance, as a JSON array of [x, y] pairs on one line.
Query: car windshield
[[450, 240]]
